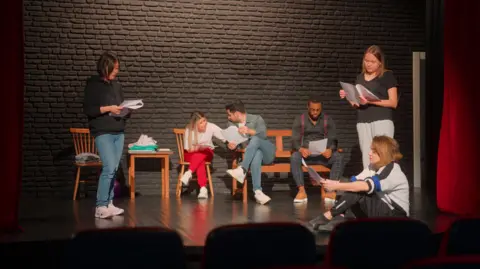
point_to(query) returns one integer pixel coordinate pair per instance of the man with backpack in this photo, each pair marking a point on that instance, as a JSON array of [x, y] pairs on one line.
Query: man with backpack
[[308, 127]]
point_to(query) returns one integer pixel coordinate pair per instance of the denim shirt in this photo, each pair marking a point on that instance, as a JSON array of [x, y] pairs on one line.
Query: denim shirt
[[256, 123]]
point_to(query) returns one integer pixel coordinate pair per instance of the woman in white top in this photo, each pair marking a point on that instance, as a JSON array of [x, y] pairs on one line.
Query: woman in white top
[[198, 149]]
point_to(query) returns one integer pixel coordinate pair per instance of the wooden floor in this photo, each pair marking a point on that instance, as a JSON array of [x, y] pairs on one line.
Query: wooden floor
[[44, 219]]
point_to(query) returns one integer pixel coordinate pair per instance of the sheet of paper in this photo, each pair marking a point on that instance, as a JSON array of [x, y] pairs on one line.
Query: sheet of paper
[[351, 92], [232, 135], [317, 147], [202, 146], [132, 104], [312, 173], [366, 93]]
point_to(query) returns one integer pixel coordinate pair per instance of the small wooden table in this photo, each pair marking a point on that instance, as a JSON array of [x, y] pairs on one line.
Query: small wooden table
[[164, 157]]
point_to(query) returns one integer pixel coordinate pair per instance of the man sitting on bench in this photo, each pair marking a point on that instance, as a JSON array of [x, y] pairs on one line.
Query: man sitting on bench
[[313, 126], [259, 149]]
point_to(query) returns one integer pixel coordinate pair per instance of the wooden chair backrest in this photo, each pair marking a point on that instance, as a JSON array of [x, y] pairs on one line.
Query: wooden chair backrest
[[83, 141], [179, 133], [279, 135]]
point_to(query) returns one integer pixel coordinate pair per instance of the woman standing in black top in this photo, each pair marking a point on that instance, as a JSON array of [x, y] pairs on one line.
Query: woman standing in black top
[[106, 120], [375, 118]]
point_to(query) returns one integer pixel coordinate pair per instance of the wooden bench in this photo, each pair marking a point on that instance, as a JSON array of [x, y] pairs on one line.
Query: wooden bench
[[277, 167]]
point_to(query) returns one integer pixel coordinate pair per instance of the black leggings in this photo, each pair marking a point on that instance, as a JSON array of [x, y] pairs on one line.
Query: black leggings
[[365, 205]]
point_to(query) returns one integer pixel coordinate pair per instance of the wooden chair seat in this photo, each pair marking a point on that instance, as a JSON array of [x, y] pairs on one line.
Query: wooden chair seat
[[187, 163], [89, 164], [179, 133]]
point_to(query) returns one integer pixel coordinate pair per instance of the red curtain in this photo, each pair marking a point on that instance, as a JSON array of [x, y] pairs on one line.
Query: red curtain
[[12, 78], [458, 181]]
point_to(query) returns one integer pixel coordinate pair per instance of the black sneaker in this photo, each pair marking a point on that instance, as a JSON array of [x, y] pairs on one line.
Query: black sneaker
[[328, 227], [320, 220]]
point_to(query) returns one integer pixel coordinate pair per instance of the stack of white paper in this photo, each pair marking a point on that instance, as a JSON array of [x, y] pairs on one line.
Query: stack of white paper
[[132, 104], [353, 93]]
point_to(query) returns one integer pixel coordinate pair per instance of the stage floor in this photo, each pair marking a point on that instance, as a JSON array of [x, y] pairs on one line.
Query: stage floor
[[56, 218]]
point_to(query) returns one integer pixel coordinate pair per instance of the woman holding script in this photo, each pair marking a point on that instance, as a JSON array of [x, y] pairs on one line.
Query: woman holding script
[[103, 96], [198, 149], [375, 117]]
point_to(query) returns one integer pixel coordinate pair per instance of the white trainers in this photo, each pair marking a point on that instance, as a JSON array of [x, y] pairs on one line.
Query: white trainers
[[261, 197], [102, 212], [115, 210], [186, 177], [237, 173], [203, 193]]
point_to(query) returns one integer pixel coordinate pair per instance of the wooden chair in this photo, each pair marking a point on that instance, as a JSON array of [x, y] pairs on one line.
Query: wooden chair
[[84, 143], [179, 133]]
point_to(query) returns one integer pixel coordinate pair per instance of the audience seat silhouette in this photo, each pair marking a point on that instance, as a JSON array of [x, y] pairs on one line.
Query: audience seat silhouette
[[142, 247], [461, 238], [447, 262], [378, 243], [260, 245]]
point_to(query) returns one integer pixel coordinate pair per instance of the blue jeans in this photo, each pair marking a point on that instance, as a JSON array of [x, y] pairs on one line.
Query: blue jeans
[[110, 148], [258, 151]]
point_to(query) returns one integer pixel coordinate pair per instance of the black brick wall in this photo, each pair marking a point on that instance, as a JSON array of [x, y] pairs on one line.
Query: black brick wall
[[184, 55]]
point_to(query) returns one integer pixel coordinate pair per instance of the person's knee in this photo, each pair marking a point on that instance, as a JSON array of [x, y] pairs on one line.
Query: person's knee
[[254, 142], [337, 156], [109, 168], [257, 159], [296, 157]]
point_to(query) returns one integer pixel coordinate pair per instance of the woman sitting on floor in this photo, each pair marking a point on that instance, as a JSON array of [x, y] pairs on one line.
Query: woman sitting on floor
[[198, 149], [380, 191]]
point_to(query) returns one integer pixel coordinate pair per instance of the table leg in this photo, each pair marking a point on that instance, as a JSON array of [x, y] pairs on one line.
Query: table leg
[[166, 176], [132, 177], [162, 175]]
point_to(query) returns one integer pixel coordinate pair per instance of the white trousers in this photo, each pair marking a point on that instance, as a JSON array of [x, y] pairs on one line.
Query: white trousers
[[366, 133]]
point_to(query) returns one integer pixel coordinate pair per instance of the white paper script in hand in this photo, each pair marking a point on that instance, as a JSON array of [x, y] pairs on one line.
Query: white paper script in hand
[[232, 135], [132, 104]]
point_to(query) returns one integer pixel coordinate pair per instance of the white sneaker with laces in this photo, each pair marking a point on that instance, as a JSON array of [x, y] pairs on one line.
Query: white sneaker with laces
[[186, 177], [237, 173], [102, 212], [261, 197], [115, 210], [203, 193]]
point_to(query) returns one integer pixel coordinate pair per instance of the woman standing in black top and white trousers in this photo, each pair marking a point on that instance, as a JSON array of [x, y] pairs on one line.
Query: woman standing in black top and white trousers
[[375, 118]]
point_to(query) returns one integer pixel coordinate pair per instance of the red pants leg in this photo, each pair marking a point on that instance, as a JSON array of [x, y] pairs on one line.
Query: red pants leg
[[197, 161]]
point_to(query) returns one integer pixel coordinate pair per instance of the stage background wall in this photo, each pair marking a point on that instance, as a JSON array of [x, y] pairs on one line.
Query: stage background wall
[[179, 56]]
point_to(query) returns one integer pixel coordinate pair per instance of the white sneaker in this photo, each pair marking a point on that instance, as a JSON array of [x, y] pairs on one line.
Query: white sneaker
[[115, 210], [186, 177], [261, 197], [237, 173], [102, 212], [203, 193]]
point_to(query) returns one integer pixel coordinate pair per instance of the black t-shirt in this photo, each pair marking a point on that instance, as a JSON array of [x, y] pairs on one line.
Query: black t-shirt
[[378, 86]]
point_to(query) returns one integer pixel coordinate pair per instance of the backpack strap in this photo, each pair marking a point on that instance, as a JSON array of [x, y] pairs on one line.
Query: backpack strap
[[325, 131]]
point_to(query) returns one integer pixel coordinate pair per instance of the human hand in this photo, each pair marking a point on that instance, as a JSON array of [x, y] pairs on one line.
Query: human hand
[[342, 94], [305, 152], [363, 101], [232, 145], [244, 130], [330, 185], [327, 153], [115, 109]]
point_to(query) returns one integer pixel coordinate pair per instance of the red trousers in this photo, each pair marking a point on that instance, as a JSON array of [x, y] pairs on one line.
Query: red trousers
[[197, 162]]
